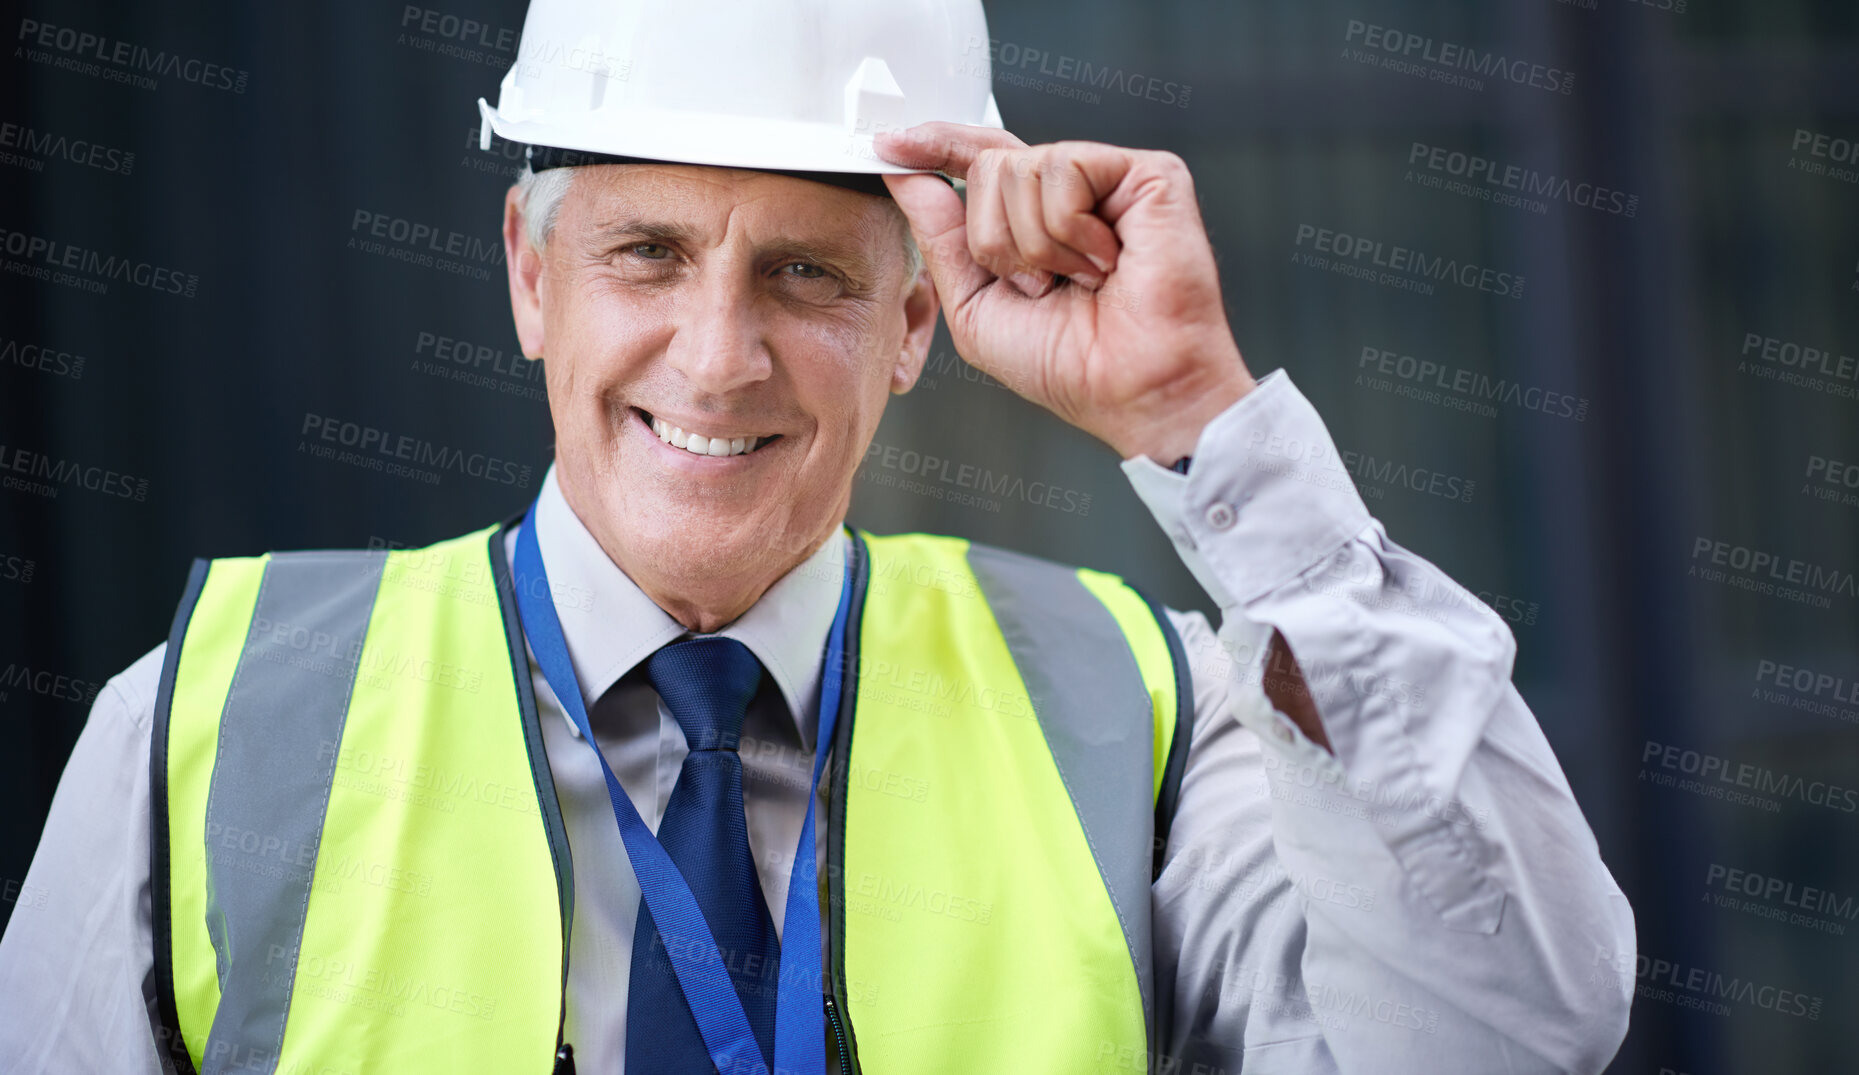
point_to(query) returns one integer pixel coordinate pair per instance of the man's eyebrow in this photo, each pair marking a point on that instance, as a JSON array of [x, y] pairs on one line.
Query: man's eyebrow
[[849, 255], [640, 229]]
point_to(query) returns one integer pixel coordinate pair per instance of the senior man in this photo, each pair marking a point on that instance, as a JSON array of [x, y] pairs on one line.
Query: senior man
[[675, 772]]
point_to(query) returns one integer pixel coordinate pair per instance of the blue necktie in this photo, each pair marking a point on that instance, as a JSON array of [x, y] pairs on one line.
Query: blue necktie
[[707, 684]]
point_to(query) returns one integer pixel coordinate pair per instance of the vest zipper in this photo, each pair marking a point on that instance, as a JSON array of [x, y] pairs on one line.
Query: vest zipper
[[839, 1036], [836, 1007], [547, 802]]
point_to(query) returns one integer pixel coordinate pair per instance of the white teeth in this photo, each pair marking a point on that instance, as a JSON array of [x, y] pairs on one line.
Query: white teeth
[[698, 444]]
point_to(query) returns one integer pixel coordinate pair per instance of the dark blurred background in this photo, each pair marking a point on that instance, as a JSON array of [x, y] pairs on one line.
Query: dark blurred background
[[1605, 453]]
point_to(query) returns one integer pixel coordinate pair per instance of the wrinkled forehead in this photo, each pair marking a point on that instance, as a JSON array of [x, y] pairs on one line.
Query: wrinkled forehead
[[710, 206]]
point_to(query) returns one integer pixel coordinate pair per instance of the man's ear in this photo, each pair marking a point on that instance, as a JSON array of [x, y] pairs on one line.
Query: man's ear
[[524, 267], [921, 305]]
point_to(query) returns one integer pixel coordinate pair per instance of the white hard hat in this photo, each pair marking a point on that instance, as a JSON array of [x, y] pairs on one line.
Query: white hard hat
[[799, 85]]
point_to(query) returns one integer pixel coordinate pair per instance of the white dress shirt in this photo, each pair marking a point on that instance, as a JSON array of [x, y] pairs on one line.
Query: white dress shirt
[[1429, 899]]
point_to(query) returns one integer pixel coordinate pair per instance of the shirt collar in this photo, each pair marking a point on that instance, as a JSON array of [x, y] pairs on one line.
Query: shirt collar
[[610, 625]]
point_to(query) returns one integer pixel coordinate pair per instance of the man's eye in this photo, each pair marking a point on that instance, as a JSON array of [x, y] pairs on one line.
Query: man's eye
[[652, 251], [806, 270]]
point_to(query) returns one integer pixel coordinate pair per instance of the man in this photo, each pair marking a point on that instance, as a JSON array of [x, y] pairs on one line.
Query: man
[[534, 797]]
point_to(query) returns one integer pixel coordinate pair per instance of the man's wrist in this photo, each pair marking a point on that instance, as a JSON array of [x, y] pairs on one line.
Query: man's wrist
[[1171, 438], [1270, 495]]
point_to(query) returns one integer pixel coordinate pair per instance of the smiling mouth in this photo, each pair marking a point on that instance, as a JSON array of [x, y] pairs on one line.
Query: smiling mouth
[[699, 443]]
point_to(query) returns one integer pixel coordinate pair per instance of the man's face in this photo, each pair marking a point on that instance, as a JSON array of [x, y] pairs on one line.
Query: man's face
[[760, 318]]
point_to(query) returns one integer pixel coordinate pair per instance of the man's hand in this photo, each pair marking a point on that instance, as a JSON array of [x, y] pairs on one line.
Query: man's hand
[[1132, 346]]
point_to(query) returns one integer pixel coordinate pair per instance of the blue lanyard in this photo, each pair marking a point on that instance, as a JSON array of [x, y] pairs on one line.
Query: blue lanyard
[[800, 1029]]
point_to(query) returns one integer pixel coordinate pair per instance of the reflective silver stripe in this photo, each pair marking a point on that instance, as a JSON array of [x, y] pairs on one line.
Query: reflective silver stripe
[[278, 739], [1097, 717]]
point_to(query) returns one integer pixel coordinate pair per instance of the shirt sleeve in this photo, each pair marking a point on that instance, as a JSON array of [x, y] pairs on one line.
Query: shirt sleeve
[[1429, 898], [76, 963]]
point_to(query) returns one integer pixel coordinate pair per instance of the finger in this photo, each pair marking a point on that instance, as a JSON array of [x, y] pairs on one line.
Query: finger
[[990, 236], [951, 148], [938, 221], [1038, 248], [1069, 205], [1104, 170]]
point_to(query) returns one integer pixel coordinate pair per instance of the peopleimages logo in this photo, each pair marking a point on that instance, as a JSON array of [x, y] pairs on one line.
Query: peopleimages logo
[[947, 479], [1444, 61], [1753, 568], [1722, 770], [479, 365], [1511, 184], [423, 244], [1015, 64], [429, 20], [1820, 693], [38, 146], [90, 270], [130, 63], [1822, 685], [1368, 468], [1822, 369], [1781, 891], [41, 357], [1403, 266], [1821, 361], [1467, 390], [1826, 155], [52, 685], [16, 569], [378, 449], [1826, 476], [1704, 986], [53, 473]]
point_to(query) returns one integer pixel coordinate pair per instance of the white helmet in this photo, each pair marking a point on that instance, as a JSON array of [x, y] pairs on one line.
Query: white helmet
[[799, 85]]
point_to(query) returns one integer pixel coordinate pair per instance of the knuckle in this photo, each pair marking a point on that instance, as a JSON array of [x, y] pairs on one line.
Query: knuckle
[[1169, 163], [1074, 147], [1038, 246], [1067, 228], [989, 252]]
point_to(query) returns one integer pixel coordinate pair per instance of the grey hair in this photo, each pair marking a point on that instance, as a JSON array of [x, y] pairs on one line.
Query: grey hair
[[540, 194]]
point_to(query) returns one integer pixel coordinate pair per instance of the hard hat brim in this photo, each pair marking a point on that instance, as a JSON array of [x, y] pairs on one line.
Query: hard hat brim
[[686, 137], [543, 158]]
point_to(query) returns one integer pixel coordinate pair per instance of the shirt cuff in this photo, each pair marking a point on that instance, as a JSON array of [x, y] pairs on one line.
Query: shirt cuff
[[1266, 498]]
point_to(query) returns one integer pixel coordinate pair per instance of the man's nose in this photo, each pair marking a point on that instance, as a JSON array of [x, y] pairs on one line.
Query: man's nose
[[718, 345]]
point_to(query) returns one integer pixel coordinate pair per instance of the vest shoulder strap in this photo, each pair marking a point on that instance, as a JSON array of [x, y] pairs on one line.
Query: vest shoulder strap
[[1018, 579], [339, 734], [959, 630]]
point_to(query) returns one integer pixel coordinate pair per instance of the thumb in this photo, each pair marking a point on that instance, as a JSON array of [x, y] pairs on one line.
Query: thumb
[[939, 221]]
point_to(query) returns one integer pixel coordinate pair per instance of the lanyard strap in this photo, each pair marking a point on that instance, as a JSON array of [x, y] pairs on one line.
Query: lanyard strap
[[800, 1030]]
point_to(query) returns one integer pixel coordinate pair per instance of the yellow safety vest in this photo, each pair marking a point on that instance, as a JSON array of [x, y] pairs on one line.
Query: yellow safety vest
[[358, 863]]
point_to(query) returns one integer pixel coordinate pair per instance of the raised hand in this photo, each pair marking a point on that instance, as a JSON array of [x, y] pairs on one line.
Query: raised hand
[[1078, 274]]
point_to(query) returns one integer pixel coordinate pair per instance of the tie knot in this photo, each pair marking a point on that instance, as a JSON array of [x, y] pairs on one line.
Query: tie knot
[[707, 684]]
